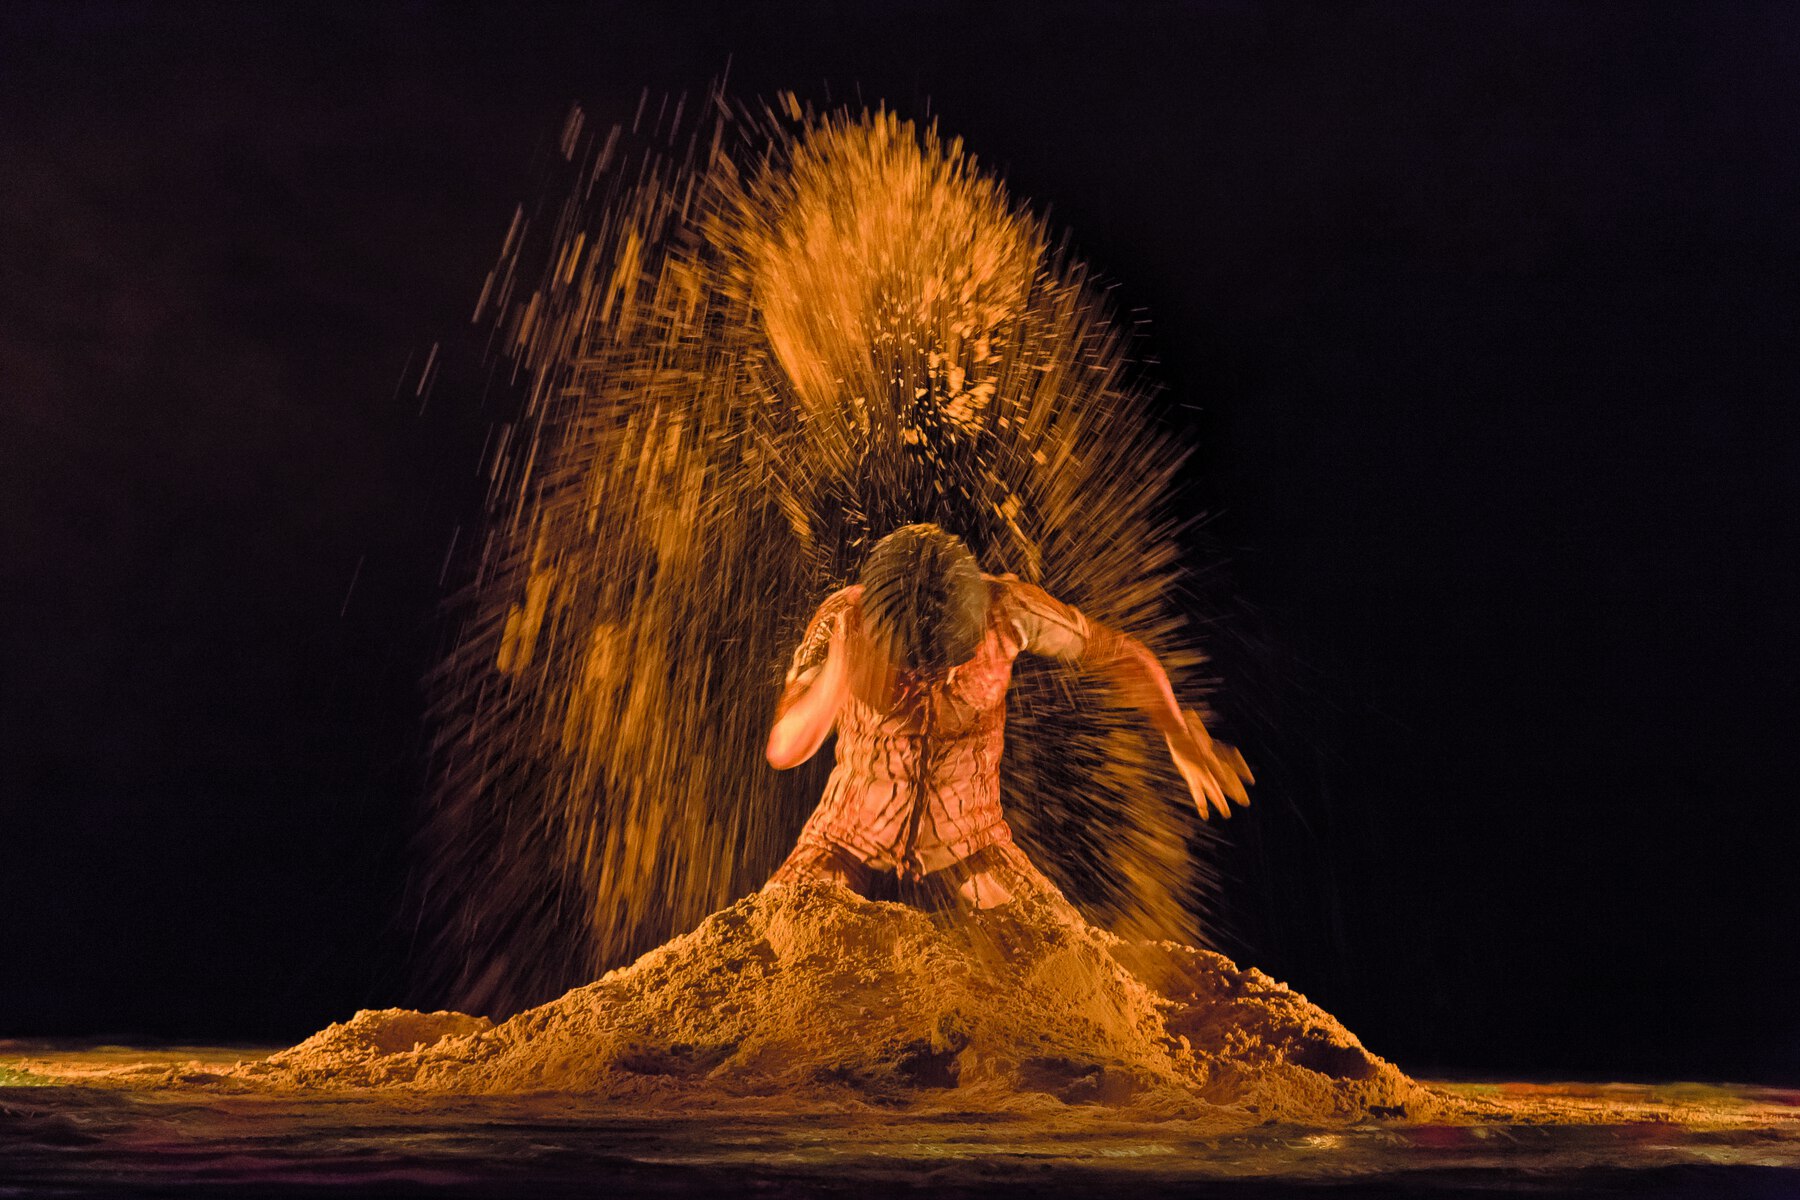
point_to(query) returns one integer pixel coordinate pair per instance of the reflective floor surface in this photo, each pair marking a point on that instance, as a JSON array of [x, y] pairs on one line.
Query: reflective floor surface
[[118, 1121]]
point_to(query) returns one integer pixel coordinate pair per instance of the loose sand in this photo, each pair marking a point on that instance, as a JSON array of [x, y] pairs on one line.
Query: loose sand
[[813, 992], [809, 1042]]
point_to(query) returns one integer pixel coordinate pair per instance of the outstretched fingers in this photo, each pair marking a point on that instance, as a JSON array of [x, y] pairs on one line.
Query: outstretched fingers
[[1234, 773], [1218, 799], [1199, 784], [1210, 790], [1215, 772]]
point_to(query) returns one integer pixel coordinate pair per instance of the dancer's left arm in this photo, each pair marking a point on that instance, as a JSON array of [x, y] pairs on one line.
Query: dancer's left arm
[[1214, 771]]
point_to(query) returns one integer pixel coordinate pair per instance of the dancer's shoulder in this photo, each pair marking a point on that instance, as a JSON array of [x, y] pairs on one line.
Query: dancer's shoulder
[[1040, 622]]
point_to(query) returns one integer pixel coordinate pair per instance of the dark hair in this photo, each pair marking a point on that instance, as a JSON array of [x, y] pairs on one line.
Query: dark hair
[[924, 599]]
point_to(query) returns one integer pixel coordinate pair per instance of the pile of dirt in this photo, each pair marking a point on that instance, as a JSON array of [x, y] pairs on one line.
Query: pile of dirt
[[813, 990]]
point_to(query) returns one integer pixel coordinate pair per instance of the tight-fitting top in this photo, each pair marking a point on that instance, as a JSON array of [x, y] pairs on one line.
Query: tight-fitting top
[[917, 781]]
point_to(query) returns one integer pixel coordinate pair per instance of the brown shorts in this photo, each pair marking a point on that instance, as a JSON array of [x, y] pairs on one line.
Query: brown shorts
[[991, 875]]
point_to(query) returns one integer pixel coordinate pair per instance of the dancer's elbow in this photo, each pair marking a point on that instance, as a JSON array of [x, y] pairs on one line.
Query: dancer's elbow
[[785, 750]]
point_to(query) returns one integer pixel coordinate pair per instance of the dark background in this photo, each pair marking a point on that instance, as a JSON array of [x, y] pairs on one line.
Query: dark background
[[1484, 318]]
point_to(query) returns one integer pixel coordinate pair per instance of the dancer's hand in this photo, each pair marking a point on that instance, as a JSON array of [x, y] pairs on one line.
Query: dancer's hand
[[1213, 770]]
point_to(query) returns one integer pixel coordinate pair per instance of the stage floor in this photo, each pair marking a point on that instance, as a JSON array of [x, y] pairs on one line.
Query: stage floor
[[117, 1121]]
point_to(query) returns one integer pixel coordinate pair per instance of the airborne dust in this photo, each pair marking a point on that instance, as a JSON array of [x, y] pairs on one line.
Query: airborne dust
[[744, 347], [743, 352]]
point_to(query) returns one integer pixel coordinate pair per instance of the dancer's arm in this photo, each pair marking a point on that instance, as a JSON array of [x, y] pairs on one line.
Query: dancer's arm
[[1214, 771], [815, 688]]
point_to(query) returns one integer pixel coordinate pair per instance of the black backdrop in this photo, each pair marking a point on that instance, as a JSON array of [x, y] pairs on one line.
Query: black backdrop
[[1483, 316]]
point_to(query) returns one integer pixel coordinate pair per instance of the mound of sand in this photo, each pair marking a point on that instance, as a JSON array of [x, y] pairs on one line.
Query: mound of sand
[[813, 990]]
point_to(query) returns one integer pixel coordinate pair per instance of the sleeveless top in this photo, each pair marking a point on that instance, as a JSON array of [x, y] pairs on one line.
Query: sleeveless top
[[917, 781]]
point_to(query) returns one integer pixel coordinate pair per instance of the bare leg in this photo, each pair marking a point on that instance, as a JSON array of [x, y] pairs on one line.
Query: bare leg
[[1000, 874], [984, 889], [819, 863]]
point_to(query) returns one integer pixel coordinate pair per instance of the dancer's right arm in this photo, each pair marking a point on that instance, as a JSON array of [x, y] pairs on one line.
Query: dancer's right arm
[[816, 684]]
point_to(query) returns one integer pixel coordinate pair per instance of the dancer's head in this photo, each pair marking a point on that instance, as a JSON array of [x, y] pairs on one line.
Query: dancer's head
[[924, 599]]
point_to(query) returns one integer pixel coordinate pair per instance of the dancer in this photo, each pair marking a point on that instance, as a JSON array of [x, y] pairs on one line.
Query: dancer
[[911, 665]]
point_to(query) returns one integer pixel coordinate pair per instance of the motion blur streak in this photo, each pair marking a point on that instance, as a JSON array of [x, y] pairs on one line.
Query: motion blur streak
[[742, 351]]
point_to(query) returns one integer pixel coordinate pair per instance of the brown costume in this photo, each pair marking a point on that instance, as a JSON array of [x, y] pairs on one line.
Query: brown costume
[[915, 794]]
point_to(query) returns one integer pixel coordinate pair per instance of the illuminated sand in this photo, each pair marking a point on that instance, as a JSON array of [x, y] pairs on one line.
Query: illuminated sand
[[740, 357], [814, 1043], [735, 371], [813, 994], [821, 1046]]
